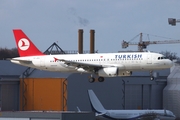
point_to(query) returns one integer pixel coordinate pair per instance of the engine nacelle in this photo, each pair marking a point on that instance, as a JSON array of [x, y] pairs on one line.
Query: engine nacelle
[[108, 72], [113, 72]]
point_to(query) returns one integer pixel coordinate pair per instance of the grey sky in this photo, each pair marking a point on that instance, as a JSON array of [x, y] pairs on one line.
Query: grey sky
[[48, 21]]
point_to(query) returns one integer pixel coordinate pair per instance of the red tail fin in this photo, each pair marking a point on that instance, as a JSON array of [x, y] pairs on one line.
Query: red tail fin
[[25, 45]]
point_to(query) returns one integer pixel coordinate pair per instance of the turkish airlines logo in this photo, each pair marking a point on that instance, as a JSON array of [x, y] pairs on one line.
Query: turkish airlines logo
[[23, 44]]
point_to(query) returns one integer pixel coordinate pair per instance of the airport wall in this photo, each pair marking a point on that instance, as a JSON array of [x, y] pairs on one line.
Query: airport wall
[[46, 115], [42, 90], [134, 92], [9, 93], [43, 94], [144, 96]]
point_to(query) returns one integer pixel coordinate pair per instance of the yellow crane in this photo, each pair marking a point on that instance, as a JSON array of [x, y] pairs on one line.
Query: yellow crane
[[143, 44]]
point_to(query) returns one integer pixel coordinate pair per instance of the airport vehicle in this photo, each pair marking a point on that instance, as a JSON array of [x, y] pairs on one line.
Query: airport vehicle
[[101, 64], [102, 113]]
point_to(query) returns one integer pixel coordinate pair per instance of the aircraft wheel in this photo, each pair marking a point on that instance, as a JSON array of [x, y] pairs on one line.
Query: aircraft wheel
[[152, 78], [101, 79], [91, 80]]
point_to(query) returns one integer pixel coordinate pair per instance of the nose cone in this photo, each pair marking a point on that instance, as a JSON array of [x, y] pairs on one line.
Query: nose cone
[[171, 114], [169, 63]]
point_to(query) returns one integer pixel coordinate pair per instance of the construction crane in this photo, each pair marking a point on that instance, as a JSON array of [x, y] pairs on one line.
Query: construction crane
[[173, 21], [143, 44]]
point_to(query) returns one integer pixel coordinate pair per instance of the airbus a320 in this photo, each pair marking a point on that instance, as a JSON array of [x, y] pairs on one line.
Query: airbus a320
[[100, 64]]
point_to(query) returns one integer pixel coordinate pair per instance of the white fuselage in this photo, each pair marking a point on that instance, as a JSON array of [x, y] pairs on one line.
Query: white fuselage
[[134, 114], [130, 61]]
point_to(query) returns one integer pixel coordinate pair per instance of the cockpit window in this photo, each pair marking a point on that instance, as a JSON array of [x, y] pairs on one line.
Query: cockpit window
[[160, 58]]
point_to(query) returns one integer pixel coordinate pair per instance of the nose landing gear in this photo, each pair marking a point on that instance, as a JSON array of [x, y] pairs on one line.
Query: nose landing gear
[[152, 78], [151, 74]]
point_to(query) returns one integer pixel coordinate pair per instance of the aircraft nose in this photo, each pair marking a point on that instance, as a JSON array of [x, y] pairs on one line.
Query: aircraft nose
[[170, 63]]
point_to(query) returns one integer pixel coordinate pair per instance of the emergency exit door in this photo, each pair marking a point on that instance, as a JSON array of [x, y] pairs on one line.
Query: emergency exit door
[[149, 59]]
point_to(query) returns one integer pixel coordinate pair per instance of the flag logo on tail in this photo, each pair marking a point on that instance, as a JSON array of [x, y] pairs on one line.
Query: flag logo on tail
[[23, 44]]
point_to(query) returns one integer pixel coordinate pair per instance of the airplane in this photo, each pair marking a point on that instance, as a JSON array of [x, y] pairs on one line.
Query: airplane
[[102, 113], [101, 64]]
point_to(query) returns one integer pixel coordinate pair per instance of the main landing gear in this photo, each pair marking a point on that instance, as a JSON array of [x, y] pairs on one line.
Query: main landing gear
[[101, 79], [92, 79]]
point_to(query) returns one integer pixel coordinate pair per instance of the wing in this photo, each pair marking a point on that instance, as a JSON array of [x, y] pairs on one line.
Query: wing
[[100, 114], [86, 66]]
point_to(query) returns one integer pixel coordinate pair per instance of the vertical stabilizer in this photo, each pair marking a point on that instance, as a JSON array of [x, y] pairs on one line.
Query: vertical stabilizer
[[95, 103], [25, 45]]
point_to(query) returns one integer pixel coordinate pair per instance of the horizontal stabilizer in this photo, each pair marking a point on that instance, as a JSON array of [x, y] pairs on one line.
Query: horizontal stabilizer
[[20, 61]]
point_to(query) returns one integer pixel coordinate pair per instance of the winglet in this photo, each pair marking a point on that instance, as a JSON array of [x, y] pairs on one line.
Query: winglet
[[25, 45], [95, 103]]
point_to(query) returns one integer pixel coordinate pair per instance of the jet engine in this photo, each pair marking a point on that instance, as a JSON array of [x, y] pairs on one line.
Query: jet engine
[[108, 72], [113, 72]]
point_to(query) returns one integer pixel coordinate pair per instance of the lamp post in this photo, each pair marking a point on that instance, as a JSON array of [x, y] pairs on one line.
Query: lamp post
[[173, 21]]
